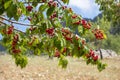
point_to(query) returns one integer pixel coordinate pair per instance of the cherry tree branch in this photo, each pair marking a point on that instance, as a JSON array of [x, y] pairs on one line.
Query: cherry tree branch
[[32, 2], [14, 29], [17, 22]]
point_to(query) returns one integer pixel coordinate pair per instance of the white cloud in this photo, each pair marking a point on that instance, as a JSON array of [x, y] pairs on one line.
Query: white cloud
[[87, 7], [82, 4]]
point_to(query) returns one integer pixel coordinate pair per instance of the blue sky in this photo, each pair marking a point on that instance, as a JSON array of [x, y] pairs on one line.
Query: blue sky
[[85, 8]]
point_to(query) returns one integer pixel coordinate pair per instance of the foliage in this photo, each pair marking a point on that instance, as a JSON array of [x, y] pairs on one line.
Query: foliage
[[111, 41], [111, 9], [46, 33]]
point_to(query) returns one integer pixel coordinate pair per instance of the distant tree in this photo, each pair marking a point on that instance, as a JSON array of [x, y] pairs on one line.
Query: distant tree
[[111, 9]]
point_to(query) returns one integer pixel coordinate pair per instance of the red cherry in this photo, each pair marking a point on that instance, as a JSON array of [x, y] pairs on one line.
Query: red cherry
[[88, 55], [95, 58], [74, 16], [50, 31], [68, 38], [64, 50], [92, 53], [83, 22], [64, 7], [76, 37], [16, 51], [77, 23], [57, 54], [29, 8], [43, 0], [16, 37], [79, 48], [54, 4]]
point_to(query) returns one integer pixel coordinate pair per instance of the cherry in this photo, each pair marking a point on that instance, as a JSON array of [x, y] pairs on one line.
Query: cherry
[[9, 30], [29, 8], [50, 31], [98, 34], [76, 23], [92, 53], [70, 9], [68, 38], [65, 31], [57, 53], [52, 3], [74, 16], [88, 55], [64, 50], [79, 48], [43, 0], [83, 22], [83, 42], [16, 51], [53, 15], [95, 58]]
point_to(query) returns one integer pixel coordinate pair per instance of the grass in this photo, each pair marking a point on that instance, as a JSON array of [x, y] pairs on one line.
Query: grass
[[40, 68]]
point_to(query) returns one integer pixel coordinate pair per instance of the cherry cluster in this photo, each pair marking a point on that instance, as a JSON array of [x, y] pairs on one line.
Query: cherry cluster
[[67, 34], [29, 8], [52, 3], [9, 30], [92, 55], [53, 15], [14, 43], [57, 52], [50, 31], [85, 24], [98, 34]]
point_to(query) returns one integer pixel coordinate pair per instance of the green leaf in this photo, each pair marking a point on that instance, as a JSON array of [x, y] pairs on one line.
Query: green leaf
[[37, 51], [101, 66], [63, 42], [12, 11], [7, 4], [80, 29], [63, 62], [21, 60], [43, 7], [65, 1], [57, 43], [50, 11]]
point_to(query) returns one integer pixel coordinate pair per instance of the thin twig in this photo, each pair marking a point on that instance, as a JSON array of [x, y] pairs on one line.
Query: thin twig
[[59, 2], [32, 2], [14, 29], [17, 22]]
